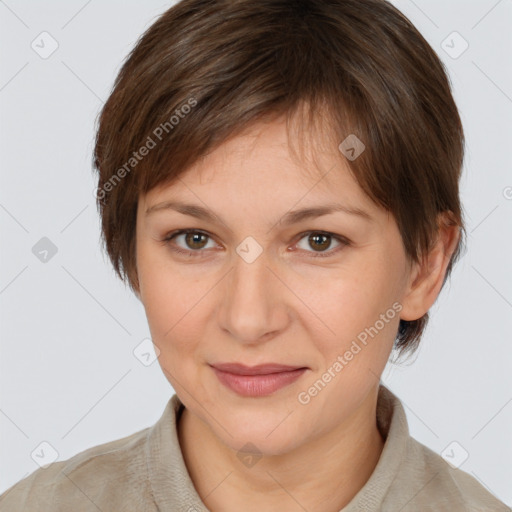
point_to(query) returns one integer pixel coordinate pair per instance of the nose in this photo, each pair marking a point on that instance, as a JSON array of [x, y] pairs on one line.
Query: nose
[[253, 305]]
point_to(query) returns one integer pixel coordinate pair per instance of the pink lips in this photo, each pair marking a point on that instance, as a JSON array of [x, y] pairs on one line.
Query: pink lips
[[261, 380]]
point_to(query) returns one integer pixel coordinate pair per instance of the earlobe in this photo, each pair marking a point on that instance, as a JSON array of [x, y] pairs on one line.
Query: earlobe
[[412, 306], [427, 276]]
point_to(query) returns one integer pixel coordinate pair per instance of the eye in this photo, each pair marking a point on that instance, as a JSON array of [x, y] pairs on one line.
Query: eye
[[321, 240], [193, 239]]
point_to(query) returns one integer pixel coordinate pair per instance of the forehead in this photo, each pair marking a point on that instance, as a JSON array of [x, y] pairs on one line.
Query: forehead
[[272, 157]]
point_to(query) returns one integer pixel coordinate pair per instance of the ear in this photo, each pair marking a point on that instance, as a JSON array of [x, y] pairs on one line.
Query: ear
[[427, 276]]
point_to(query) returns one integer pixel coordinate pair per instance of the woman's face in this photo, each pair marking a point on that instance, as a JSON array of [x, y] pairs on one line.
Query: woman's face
[[257, 285]]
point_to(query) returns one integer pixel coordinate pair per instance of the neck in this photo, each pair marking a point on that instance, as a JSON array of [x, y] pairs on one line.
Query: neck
[[323, 474]]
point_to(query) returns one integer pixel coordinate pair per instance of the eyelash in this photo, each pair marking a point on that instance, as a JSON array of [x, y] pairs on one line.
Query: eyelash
[[167, 241]]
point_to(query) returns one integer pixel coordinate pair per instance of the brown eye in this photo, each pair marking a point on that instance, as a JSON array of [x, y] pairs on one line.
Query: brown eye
[[320, 242], [195, 240]]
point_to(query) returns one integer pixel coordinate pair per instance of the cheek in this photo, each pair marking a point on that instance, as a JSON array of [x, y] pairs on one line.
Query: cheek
[[355, 313], [175, 299], [169, 305], [342, 301], [175, 326]]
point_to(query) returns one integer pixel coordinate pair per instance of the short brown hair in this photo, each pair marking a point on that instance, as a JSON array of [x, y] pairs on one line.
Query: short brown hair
[[206, 69]]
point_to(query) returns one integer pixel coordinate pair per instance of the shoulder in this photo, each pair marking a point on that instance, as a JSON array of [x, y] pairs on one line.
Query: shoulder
[[410, 476], [106, 475], [429, 483]]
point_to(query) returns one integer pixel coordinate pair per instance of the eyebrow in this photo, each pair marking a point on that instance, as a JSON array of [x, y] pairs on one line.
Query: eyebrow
[[289, 218]]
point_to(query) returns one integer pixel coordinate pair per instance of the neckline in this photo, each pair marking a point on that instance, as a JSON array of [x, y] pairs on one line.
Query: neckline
[[173, 488]]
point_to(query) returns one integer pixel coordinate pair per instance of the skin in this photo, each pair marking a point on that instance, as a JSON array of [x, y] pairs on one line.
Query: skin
[[287, 306]]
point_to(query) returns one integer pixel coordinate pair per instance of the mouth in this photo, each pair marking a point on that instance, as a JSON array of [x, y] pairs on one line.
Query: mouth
[[255, 381]]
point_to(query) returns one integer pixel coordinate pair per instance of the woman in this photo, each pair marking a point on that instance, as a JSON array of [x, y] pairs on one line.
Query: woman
[[279, 185]]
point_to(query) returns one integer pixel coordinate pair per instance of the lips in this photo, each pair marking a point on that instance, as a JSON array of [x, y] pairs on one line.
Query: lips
[[261, 369], [256, 381]]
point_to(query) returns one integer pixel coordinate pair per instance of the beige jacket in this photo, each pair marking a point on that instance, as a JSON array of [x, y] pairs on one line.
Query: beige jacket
[[145, 472]]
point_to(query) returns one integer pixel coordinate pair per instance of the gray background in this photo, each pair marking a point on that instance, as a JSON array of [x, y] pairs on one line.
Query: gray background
[[69, 376]]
